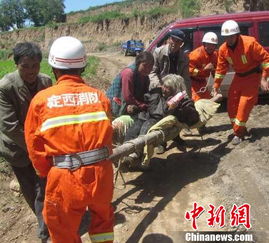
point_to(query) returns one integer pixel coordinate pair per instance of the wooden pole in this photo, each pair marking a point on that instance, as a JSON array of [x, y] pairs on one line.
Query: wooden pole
[[154, 137]]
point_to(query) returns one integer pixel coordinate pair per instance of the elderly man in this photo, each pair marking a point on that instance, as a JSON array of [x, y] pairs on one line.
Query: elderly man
[[16, 91], [171, 59]]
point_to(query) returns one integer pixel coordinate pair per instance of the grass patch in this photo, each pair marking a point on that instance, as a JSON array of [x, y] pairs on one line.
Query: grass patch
[[102, 46], [5, 54], [8, 66], [103, 16], [91, 68], [154, 12], [46, 68], [189, 8], [115, 14]]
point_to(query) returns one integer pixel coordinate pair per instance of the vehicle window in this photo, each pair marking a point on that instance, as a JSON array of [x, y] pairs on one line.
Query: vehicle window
[[162, 40], [244, 30], [264, 33], [188, 45], [217, 30]]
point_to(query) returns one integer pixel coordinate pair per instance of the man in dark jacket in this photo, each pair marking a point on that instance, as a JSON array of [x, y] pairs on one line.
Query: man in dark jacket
[[171, 59], [16, 91]]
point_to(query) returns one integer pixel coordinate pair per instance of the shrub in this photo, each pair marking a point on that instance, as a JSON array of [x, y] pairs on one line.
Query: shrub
[[101, 46], [5, 54], [189, 8], [92, 65], [6, 66], [103, 16]]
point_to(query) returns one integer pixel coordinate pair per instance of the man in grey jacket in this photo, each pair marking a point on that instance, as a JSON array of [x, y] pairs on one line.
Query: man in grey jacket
[[16, 91], [171, 59]]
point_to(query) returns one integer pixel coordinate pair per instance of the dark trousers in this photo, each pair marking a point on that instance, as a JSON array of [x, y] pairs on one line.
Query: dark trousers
[[140, 127], [33, 190]]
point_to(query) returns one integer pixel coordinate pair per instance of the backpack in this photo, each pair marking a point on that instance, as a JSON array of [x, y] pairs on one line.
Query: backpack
[[114, 93]]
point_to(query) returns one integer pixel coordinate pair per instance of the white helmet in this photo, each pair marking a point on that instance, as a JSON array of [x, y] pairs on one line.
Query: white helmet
[[229, 27], [67, 52], [210, 37]]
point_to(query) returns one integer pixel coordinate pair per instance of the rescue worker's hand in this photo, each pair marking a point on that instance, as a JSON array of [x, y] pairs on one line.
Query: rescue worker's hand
[[209, 66], [215, 91], [132, 109], [264, 85]]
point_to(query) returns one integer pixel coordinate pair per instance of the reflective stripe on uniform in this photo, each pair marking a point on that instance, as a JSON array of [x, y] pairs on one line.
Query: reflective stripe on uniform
[[102, 237], [73, 119], [239, 123], [265, 64], [195, 72], [217, 75], [232, 119], [229, 59], [244, 59]]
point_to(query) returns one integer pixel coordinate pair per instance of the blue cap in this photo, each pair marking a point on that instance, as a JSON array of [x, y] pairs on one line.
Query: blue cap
[[177, 33]]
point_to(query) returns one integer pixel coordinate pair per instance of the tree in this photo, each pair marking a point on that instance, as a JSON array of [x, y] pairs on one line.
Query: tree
[[18, 12], [32, 8], [5, 22], [55, 10], [41, 12], [12, 14]]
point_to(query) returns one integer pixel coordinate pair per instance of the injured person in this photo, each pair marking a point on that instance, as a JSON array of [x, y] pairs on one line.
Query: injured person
[[169, 100]]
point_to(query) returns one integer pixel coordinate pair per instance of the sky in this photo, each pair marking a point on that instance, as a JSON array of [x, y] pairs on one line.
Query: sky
[[76, 5]]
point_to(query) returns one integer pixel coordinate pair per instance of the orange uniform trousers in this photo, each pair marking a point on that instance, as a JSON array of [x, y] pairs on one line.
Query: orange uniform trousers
[[242, 96], [196, 87], [68, 195]]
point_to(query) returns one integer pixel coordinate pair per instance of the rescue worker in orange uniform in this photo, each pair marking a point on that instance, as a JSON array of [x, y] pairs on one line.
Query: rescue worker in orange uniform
[[69, 138], [203, 62], [250, 62]]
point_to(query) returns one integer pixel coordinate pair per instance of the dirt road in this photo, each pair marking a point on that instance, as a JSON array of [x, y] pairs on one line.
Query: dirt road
[[151, 207]]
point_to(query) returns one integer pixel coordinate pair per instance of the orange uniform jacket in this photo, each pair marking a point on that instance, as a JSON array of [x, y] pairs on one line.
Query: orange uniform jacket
[[247, 55], [66, 118], [199, 58]]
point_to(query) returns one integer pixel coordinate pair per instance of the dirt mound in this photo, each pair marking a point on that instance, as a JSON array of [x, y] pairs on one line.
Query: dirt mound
[[112, 32]]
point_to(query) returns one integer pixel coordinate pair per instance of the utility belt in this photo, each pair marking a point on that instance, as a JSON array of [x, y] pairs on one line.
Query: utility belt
[[75, 161], [253, 70]]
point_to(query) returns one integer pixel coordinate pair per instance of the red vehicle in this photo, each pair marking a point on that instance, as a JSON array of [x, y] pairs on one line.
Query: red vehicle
[[251, 23]]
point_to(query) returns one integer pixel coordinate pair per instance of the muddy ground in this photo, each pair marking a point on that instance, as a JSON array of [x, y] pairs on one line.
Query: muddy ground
[[151, 206]]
